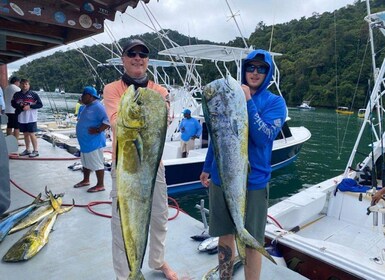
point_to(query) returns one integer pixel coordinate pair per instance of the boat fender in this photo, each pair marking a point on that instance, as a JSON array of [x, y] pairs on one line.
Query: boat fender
[[276, 254]]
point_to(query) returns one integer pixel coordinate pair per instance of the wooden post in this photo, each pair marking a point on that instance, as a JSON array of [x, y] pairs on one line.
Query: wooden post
[[3, 76]]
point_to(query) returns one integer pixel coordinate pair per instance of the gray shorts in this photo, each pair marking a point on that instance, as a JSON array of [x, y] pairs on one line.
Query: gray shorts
[[93, 160], [220, 222]]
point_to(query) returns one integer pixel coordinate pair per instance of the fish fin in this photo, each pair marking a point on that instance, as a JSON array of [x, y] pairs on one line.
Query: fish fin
[[54, 202], [37, 199], [241, 246], [139, 148], [245, 237], [66, 209]]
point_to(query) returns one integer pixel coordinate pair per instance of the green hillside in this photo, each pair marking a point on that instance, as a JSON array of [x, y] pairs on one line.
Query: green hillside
[[325, 58]]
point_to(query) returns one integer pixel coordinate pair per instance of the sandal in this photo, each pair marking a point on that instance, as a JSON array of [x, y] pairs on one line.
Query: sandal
[[81, 184], [96, 189]]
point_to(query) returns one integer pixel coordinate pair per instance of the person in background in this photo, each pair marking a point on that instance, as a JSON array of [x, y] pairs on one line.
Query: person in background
[[2, 103], [92, 123], [27, 102], [135, 61], [190, 129], [10, 90], [77, 106], [267, 114]]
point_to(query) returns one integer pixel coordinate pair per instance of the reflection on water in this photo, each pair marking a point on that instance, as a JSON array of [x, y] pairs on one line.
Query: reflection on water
[[324, 155]]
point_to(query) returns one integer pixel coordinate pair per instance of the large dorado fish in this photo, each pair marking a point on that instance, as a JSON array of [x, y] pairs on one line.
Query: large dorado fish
[[140, 133], [10, 221], [225, 111], [38, 214], [37, 237]]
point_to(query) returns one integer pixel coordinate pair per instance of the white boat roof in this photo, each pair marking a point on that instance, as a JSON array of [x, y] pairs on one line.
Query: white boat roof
[[152, 62], [210, 52], [377, 20]]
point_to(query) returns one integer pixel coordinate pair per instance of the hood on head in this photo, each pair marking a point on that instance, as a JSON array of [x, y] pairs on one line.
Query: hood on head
[[261, 56]]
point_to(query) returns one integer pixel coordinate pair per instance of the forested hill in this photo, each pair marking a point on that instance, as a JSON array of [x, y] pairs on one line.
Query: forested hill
[[325, 58]]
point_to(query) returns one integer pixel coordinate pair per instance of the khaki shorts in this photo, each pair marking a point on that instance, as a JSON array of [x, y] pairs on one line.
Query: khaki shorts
[[220, 221], [93, 160]]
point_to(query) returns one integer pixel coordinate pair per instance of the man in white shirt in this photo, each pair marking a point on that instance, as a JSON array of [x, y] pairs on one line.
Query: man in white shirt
[[10, 90]]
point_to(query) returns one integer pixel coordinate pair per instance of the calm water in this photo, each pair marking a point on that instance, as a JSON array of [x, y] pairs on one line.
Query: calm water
[[56, 103], [323, 156]]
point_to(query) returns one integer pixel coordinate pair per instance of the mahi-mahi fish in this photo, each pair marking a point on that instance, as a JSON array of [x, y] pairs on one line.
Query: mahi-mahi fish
[[37, 236], [11, 220], [225, 111], [140, 133], [37, 215]]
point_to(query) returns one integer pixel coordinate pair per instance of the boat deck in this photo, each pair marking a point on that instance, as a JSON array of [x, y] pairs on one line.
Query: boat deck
[[80, 245]]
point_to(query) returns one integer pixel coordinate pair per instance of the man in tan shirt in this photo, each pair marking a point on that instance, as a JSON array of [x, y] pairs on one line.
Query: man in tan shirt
[[135, 61]]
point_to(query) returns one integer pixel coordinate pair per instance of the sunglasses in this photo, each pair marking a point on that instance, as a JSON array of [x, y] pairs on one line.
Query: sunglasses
[[133, 54], [260, 69]]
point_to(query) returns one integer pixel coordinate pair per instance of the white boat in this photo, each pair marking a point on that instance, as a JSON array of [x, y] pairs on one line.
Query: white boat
[[305, 105], [182, 174], [285, 148], [361, 113], [330, 230]]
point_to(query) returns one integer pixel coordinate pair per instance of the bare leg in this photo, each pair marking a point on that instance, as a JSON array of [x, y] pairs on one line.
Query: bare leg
[[226, 254], [100, 177], [253, 265], [86, 175], [27, 140], [16, 133], [34, 141]]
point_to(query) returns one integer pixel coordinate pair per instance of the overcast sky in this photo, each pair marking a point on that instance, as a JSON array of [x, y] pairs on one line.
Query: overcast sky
[[203, 19]]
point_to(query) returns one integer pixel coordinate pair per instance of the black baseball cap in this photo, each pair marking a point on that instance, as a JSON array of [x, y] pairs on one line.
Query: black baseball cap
[[133, 43]]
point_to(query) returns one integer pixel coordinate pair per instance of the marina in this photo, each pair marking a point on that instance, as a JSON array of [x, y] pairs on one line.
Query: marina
[[79, 247], [321, 215]]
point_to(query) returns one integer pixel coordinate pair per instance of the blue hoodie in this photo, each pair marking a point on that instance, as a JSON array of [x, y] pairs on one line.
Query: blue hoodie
[[267, 114]]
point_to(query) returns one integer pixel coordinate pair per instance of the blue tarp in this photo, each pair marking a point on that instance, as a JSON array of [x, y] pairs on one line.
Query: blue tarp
[[351, 185]]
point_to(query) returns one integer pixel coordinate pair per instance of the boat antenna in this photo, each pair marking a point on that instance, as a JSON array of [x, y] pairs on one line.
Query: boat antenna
[[236, 22], [336, 83], [272, 32]]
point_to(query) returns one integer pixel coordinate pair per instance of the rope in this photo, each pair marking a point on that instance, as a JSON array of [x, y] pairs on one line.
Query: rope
[[94, 203]]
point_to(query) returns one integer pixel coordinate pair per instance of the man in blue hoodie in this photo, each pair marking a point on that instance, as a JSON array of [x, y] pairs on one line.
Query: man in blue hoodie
[[267, 114]]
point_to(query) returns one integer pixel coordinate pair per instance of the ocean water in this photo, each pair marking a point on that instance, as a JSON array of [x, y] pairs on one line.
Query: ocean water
[[56, 103], [323, 156]]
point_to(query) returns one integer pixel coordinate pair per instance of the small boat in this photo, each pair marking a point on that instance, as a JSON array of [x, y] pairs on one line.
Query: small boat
[[344, 111], [332, 229], [361, 113], [305, 106]]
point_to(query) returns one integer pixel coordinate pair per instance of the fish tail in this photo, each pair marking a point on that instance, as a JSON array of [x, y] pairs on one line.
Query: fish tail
[[250, 241], [136, 275]]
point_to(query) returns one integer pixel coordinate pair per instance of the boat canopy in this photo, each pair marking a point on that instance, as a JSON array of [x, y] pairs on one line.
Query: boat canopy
[[210, 52], [377, 20]]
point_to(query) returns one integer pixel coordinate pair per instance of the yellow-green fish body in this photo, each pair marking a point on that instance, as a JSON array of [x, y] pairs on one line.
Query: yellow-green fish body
[[225, 111], [35, 238], [140, 132], [35, 216]]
